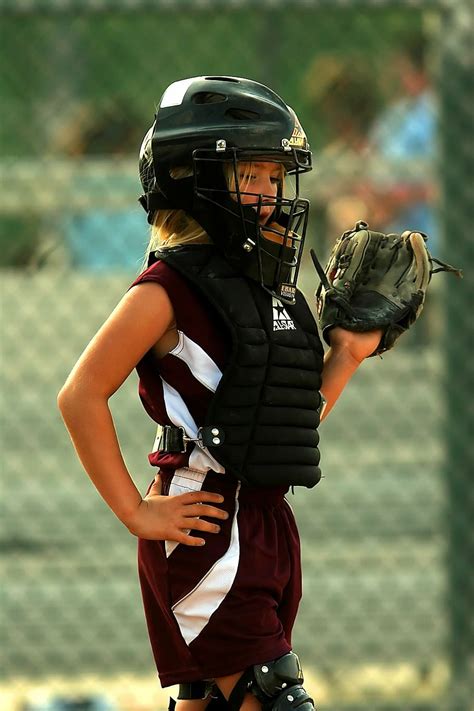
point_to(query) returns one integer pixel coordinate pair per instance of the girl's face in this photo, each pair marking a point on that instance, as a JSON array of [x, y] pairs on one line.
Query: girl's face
[[257, 179]]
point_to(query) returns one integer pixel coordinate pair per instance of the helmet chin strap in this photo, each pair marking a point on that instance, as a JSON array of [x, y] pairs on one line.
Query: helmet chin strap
[[270, 264]]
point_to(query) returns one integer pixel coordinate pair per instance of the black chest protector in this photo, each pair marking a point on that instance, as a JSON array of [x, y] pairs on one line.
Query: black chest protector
[[266, 405]]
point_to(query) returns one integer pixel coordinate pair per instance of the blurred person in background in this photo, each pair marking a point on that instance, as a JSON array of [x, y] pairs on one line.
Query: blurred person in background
[[345, 103], [403, 140], [379, 155], [105, 233], [402, 152], [232, 370]]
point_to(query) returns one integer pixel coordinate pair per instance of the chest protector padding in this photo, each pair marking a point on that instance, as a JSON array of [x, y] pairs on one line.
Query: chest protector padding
[[268, 397]]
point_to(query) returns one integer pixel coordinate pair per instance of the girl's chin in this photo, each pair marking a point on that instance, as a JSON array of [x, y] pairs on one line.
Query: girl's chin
[[273, 232]]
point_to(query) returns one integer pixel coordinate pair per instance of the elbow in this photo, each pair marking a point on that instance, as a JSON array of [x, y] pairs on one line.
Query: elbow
[[71, 397], [65, 399], [76, 396]]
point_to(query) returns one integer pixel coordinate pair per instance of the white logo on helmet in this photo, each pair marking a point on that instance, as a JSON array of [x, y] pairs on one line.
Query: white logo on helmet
[[298, 137], [174, 94]]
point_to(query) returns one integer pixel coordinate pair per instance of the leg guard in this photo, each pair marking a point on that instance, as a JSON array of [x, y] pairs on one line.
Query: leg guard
[[278, 685]]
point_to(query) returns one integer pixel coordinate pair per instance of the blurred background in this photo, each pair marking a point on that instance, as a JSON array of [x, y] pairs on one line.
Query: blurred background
[[384, 91]]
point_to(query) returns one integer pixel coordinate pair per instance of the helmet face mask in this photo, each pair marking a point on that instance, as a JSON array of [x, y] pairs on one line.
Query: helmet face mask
[[269, 248], [214, 125]]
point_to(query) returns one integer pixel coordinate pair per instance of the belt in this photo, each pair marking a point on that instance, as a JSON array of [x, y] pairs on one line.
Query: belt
[[174, 439]]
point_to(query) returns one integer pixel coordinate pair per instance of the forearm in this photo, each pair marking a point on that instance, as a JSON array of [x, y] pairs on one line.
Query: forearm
[[90, 425], [339, 367]]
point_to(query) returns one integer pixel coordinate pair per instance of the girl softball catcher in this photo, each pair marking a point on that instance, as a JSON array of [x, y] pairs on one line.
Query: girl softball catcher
[[232, 369]]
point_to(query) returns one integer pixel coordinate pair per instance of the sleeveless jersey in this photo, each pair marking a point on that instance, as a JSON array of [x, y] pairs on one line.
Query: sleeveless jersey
[[177, 389]]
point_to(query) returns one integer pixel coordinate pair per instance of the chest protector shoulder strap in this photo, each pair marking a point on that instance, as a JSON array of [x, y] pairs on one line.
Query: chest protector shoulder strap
[[266, 404]]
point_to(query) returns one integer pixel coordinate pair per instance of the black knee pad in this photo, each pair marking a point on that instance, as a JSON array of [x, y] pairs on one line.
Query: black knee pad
[[278, 685], [294, 698]]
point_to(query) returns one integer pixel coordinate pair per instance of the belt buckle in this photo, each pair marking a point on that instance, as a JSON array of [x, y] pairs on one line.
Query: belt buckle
[[172, 440], [184, 439]]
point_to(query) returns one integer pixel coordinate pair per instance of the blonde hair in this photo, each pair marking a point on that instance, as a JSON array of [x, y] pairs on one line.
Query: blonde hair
[[171, 228]]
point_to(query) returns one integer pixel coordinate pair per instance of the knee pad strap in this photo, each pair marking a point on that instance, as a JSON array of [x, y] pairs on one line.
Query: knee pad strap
[[294, 698], [240, 689], [195, 690]]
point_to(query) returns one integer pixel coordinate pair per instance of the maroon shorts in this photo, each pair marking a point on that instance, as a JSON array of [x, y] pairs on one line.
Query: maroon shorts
[[217, 609]]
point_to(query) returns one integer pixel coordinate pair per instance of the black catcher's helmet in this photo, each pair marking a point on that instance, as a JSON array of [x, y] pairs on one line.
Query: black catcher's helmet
[[210, 124]]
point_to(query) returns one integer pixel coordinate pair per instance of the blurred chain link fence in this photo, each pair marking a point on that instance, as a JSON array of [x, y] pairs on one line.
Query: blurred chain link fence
[[384, 90]]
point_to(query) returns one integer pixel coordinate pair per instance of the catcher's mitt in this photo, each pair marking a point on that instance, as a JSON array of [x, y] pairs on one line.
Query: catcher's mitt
[[375, 281]]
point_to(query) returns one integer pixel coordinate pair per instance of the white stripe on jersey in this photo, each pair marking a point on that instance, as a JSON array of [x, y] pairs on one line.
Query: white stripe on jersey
[[198, 361], [206, 372], [202, 460], [194, 610], [177, 410]]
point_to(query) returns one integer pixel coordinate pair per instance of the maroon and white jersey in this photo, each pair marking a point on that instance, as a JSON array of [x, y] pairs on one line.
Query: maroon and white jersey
[[177, 389], [219, 608]]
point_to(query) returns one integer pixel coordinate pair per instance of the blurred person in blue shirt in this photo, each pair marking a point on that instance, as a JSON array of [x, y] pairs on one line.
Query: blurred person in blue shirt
[[109, 232], [402, 157], [403, 144]]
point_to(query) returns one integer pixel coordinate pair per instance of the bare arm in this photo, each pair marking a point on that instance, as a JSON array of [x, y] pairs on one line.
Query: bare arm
[[346, 353], [140, 320]]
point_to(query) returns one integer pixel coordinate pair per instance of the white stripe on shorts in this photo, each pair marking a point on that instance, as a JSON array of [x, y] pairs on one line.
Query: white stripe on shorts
[[194, 610]]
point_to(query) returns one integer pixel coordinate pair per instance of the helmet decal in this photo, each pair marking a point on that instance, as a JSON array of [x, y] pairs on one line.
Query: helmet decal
[[175, 93], [298, 137]]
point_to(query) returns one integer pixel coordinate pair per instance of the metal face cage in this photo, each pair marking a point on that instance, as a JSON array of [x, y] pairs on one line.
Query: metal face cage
[[269, 251]]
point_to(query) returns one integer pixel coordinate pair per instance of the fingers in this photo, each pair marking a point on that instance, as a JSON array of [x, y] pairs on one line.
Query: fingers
[[176, 516], [188, 540], [183, 535], [204, 510], [194, 504], [201, 525], [422, 262], [195, 497], [193, 514]]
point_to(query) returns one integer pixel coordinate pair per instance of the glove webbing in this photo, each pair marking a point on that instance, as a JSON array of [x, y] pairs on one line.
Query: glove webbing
[[443, 267]]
